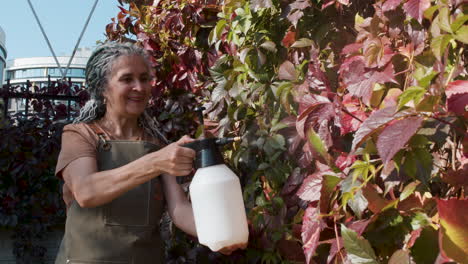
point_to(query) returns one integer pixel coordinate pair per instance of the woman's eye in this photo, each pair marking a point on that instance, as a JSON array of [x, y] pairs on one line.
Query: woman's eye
[[127, 80]]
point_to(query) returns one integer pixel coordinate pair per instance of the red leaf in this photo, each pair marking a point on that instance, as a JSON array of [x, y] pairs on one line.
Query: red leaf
[[289, 38], [457, 97], [390, 5], [310, 188], [360, 81], [453, 240], [349, 121], [312, 225], [416, 8], [309, 105], [376, 120], [395, 136], [351, 48], [376, 200], [287, 71], [458, 178]]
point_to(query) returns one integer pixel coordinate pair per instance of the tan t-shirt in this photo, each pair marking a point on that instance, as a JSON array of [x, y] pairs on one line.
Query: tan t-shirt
[[79, 140]]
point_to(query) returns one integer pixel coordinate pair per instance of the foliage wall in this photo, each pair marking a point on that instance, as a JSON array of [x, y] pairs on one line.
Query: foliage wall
[[30, 194], [353, 116]]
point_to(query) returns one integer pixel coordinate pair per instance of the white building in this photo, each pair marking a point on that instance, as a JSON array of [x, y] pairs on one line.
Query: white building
[[39, 70], [3, 54]]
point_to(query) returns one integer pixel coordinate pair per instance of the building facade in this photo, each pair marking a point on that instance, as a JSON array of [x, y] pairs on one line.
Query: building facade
[[39, 71], [3, 54]]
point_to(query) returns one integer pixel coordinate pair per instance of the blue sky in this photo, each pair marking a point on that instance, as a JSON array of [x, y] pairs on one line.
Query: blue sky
[[62, 21]]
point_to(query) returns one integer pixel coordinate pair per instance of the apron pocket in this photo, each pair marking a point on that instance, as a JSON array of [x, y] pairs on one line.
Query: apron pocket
[[132, 208]]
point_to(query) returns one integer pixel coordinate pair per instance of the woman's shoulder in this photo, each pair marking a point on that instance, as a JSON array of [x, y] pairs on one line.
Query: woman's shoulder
[[82, 129]]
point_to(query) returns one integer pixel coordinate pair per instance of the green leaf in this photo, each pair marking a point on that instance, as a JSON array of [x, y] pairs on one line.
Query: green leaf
[[420, 220], [428, 13], [358, 249], [302, 43], [439, 45], [360, 168], [215, 34], [408, 190], [462, 34], [269, 45], [413, 93], [426, 80], [444, 19], [427, 239], [459, 21], [317, 144]]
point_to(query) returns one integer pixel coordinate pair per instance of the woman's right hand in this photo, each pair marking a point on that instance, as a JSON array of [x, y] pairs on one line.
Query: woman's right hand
[[175, 159]]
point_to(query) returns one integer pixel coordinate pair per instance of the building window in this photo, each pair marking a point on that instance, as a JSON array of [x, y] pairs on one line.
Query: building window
[[73, 72], [26, 73]]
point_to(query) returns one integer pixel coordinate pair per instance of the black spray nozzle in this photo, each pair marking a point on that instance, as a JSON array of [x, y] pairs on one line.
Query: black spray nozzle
[[207, 150]]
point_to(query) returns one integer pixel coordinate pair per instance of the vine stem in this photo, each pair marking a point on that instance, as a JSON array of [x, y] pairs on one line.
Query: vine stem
[[448, 123], [353, 116], [337, 238]]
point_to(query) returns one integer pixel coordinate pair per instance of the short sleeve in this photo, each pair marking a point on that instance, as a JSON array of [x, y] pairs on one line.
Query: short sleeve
[[77, 141]]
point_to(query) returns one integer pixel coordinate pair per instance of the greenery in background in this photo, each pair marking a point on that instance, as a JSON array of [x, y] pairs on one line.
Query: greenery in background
[[352, 113]]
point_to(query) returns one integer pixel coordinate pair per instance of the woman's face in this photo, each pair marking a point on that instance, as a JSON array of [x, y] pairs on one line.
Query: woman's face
[[129, 86]]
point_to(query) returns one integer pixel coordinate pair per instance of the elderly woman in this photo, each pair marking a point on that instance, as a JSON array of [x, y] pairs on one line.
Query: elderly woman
[[117, 173]]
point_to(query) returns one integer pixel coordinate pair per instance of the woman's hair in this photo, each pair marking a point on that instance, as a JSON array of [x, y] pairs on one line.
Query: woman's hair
[[98, 71]]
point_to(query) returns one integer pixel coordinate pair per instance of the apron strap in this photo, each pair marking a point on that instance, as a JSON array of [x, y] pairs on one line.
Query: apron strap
[[101, 134]]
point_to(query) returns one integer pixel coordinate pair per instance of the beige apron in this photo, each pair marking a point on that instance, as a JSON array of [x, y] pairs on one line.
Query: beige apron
[[124, 231]]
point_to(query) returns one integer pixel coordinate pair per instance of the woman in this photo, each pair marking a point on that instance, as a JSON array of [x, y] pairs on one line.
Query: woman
[[116, 174]]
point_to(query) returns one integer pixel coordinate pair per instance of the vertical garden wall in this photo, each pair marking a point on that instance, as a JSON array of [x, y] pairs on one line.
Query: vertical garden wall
[[353, 116]]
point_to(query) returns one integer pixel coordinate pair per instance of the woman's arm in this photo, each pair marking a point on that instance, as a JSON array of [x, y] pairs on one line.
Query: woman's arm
[[92, 188], [179, 207]]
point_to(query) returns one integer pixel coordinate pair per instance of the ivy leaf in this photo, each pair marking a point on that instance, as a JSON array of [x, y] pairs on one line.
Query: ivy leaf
[[269, 45], [376, 120], [416, 8], [259, 4], [458, 22], [317, 144], [289, 38], [453, 215], [413, 93], [408, 190], [358, 248], [462, 34], [395, 136], [360, 80], [400, 256], [439, 45], [287, 71], [457, 96], [296, 11], [390, 5], [302, 43], [444, 20], [310, 188], [312, 226]]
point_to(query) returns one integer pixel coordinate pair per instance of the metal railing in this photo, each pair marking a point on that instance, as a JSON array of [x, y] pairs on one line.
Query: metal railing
[[54, 91]]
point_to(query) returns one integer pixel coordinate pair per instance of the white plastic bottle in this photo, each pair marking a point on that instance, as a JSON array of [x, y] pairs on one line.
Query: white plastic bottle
[[217, 201]]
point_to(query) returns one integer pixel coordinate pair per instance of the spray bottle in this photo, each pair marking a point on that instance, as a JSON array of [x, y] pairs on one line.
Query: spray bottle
[[216, 195]]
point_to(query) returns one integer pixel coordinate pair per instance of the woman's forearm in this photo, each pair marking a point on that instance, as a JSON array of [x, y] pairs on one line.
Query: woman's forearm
[[91, 188], [178, 205]]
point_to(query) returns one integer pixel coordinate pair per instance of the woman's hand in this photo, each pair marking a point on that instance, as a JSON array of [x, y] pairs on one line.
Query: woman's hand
[[175, 159], [228, 250]]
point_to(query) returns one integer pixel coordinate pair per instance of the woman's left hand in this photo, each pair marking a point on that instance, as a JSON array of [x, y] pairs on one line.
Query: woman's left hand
[[229, 249]]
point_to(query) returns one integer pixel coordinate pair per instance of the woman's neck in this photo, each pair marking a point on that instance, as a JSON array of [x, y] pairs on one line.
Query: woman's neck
[[121, 127]]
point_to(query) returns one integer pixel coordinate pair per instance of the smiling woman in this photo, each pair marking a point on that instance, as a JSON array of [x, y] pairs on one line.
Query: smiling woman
[[117, 174]]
